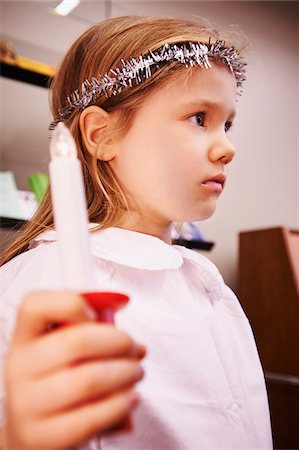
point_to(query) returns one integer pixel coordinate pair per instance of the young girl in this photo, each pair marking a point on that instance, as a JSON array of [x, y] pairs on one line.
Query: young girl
[[152, 138]]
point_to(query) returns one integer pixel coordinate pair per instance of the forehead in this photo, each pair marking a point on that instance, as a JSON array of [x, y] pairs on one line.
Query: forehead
[[213, 86]]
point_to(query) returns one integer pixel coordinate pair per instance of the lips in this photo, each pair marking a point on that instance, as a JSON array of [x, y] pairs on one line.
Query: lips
[[216, 183]]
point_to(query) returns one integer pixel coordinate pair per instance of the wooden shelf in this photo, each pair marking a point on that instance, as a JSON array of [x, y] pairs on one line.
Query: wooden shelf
[[27, 76], [12, 224]]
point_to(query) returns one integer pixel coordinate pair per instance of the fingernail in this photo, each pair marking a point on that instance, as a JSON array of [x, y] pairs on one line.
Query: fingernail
[[132, 399], [139, 372], [138, 350]]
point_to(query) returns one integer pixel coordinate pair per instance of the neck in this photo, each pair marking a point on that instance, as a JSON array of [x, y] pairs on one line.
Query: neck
[[161, 230]]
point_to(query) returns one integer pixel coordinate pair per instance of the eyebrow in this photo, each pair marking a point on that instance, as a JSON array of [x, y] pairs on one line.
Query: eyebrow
[[202, 103]]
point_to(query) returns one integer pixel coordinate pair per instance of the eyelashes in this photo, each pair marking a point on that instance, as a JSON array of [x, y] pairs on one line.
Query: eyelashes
[[228, 126], [199, 119]]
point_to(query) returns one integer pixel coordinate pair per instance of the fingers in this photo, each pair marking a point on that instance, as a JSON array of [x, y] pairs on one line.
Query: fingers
[[78, 425], [71, 345], [72, 382], [82, 384], [39, 309]]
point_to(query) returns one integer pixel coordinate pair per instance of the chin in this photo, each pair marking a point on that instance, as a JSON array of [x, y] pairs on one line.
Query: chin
[[203, 214], [195, 217], [202, 211]]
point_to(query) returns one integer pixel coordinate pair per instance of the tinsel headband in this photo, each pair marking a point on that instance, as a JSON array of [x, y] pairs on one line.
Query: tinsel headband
[[135, 70]]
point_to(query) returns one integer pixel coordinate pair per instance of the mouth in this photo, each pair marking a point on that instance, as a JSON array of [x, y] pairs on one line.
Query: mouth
[[215, 183]]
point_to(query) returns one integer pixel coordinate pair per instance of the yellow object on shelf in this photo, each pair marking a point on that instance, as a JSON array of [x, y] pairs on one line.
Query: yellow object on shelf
[[9, 56]]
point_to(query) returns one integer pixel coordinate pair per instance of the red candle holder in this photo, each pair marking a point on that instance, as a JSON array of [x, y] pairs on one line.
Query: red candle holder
[[105, 304]]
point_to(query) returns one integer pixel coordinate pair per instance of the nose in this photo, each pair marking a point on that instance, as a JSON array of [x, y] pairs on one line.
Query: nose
[[222, 150]]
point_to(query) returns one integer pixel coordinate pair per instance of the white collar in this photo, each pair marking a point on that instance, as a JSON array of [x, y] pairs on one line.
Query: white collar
[[144, 251], [134, 249], [126, 247]]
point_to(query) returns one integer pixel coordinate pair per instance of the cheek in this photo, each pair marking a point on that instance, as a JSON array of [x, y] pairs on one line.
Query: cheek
[[137, 160], [165, 156], [188, 157]]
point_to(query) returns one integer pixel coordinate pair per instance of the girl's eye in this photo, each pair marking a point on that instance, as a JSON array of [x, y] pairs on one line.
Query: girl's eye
[[198, 119]]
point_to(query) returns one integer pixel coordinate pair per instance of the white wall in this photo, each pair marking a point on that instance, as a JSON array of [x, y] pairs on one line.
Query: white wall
[[262, 189]]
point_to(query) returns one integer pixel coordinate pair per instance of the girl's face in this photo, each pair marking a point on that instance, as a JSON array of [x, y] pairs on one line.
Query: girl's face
[[177, 142]]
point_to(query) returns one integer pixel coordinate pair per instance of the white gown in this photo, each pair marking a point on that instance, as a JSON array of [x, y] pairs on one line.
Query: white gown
[[204, 386]]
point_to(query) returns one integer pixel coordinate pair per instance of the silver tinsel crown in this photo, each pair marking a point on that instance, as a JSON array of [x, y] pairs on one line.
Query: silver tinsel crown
[[135, 70]]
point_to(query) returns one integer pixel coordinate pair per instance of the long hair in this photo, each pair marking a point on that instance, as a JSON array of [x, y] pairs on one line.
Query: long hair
[[95, 52]]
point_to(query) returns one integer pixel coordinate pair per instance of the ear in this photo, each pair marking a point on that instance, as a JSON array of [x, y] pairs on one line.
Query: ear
[[94, 122]]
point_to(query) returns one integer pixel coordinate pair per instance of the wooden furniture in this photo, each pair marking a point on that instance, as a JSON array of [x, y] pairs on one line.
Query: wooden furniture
[[268, 289]]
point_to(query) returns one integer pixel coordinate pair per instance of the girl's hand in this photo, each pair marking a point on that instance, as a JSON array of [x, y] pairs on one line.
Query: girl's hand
[[69, 384]]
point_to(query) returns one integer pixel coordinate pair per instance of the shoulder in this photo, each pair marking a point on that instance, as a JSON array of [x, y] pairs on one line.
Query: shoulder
[[198, 258], [32, 270], [207, 273], [35, 269], [201, 262]]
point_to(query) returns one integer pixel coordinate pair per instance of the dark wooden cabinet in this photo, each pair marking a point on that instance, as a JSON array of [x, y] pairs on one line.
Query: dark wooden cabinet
[[268, 289]]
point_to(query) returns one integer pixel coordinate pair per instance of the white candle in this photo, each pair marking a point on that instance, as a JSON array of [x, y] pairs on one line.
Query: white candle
[[70, 212]]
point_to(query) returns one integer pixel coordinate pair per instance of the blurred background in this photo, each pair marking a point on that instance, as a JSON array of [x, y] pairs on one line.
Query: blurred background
[[255, 227]]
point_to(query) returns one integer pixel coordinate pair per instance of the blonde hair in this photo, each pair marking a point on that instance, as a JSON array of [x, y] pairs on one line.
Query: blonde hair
[[95, 52]]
